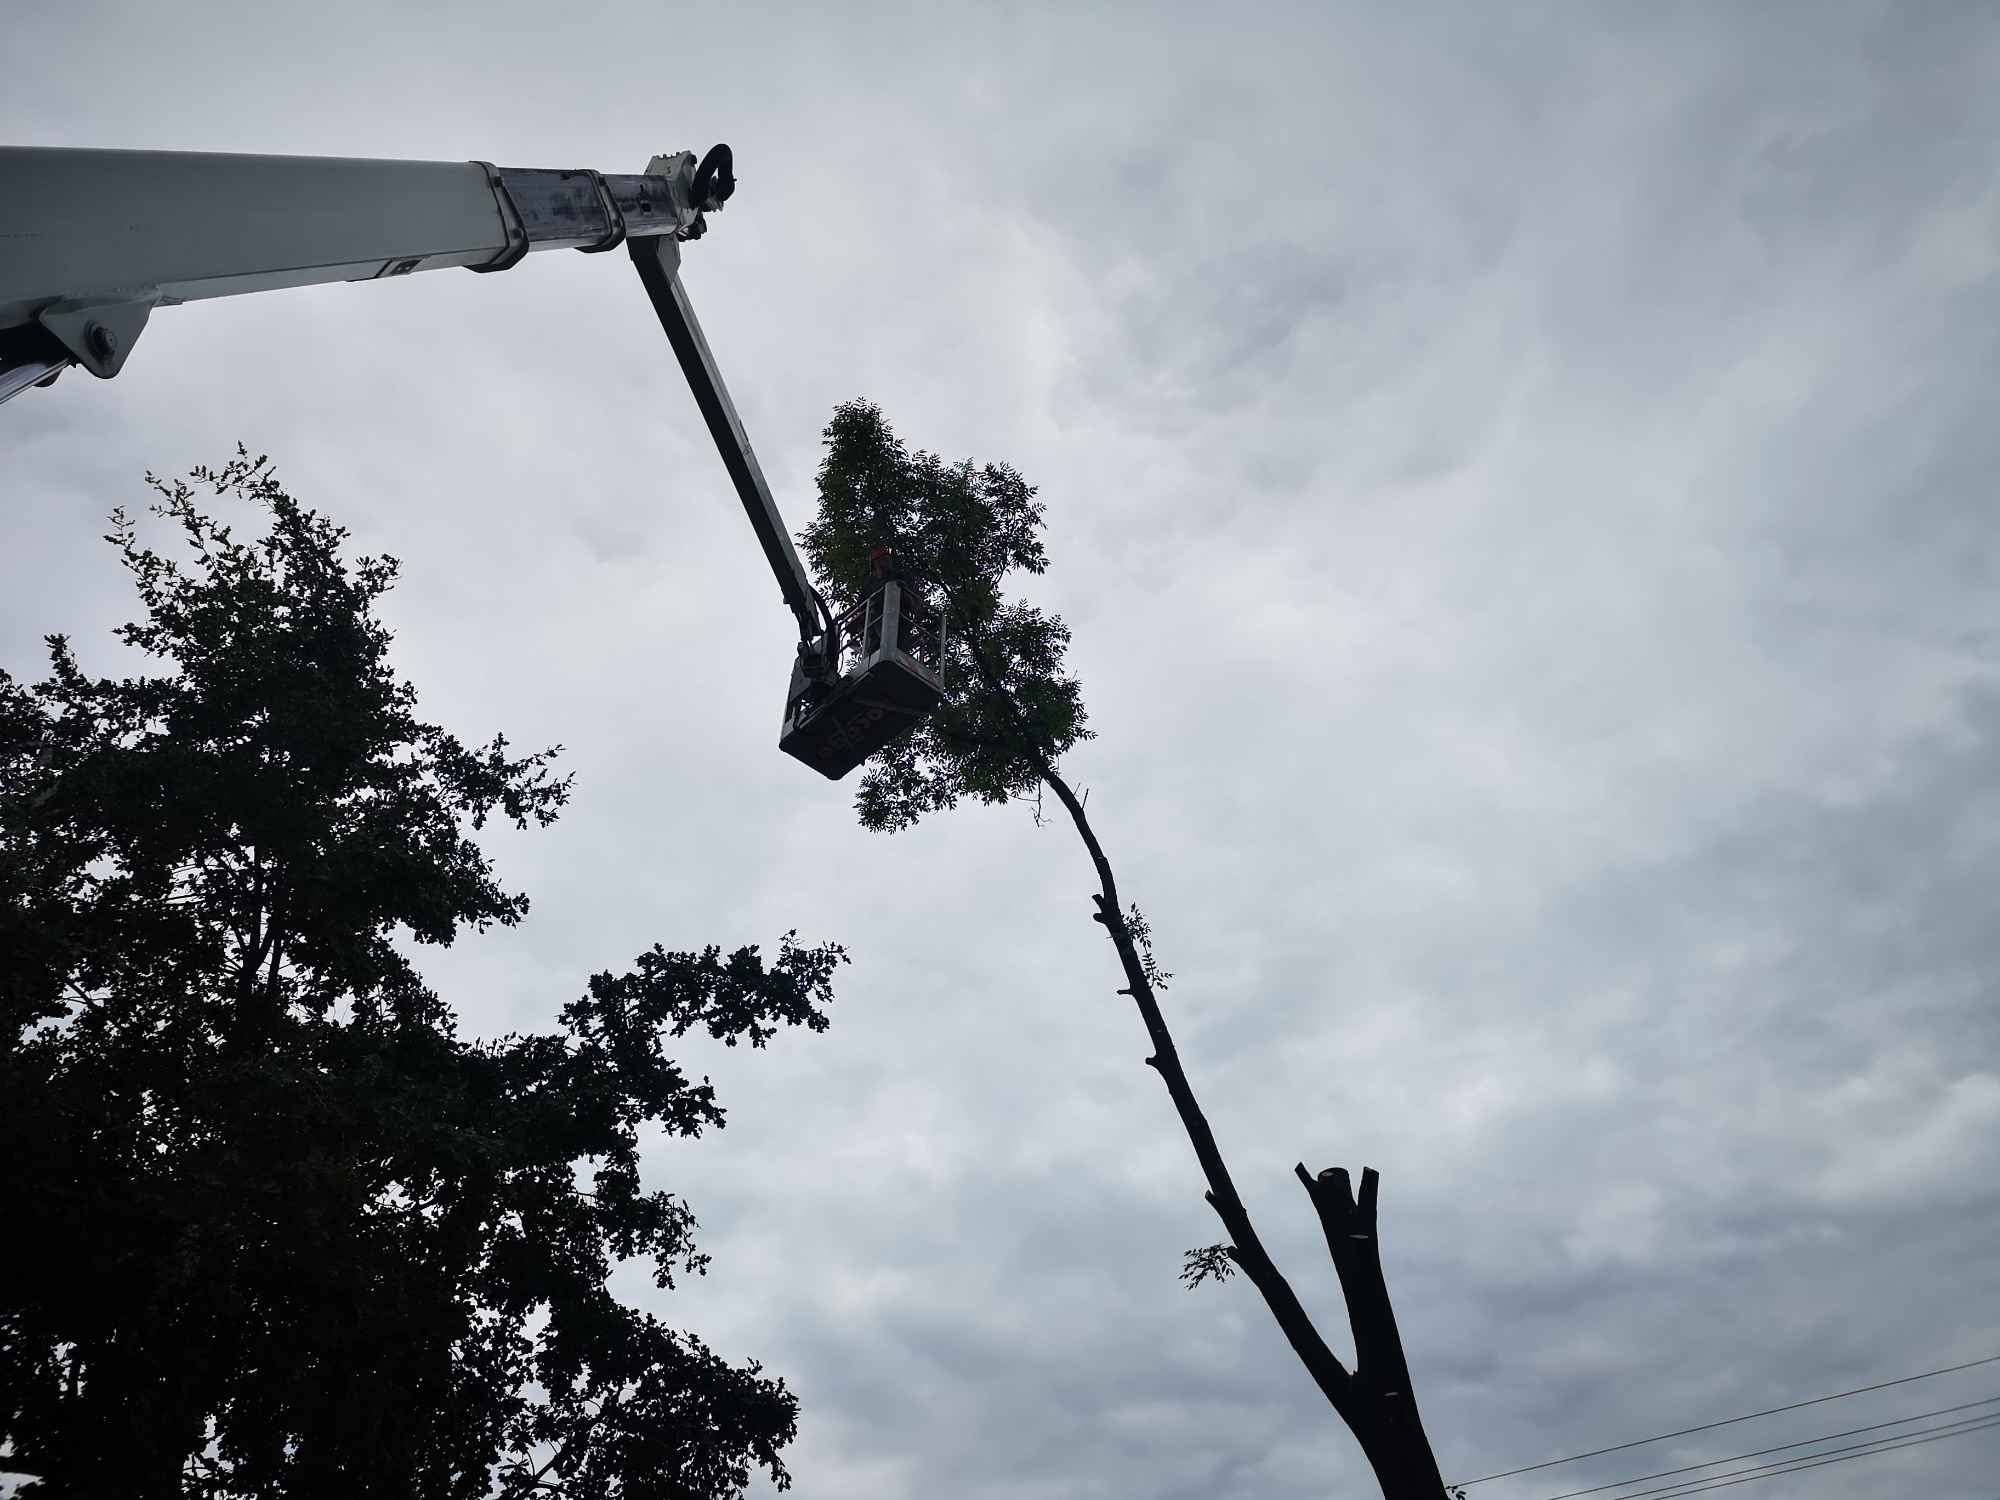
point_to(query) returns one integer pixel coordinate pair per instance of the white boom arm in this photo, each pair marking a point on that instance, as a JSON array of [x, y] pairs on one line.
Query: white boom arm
[[92, 241]]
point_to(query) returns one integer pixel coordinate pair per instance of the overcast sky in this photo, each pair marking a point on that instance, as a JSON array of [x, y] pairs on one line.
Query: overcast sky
[[1520, 479]]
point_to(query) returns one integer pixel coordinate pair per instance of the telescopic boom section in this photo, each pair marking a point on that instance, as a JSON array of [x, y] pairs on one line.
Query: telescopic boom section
[[92, 241], [659, 262]]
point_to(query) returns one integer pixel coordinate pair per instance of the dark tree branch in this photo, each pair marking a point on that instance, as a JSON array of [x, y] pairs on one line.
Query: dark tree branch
[[1375, 1399], [1381, 1371], [1247, 1249], [536, 1480]]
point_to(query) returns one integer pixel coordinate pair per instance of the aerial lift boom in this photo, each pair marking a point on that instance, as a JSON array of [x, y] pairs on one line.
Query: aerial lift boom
[[93, 241]]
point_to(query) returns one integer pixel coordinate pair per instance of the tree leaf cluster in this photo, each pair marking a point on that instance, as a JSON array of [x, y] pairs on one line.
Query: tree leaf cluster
[[275, 1228], [959, 531], [1209, 1263]]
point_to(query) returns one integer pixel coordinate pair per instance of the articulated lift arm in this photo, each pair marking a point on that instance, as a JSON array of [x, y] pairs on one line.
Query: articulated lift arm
[[658, 260], [92, 241], [95, 240]]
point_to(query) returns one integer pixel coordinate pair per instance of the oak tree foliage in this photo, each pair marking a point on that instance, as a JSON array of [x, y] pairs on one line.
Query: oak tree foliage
[[274, 1227]]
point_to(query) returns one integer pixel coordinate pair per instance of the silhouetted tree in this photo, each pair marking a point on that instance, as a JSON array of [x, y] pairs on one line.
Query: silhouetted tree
[[1010, 714], [272, 1227]]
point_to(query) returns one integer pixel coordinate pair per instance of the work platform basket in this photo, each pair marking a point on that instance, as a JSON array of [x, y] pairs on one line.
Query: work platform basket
[[892, 675]]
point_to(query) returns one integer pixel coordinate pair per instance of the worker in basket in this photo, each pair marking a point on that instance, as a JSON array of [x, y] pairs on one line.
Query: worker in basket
[[917, 635]]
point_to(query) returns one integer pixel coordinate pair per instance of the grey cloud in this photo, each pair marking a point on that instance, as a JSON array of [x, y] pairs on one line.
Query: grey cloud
[[1520, 481]]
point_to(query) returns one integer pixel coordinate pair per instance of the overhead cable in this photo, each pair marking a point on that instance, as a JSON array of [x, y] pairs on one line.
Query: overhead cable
[[1800, 1465], [1825, 1437], [1726, 1422]]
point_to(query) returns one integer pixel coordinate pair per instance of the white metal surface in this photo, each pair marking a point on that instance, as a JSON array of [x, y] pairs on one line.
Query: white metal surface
[[174, 226]]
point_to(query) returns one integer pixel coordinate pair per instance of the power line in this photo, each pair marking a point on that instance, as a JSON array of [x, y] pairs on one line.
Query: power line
[[1805, 1460], [1726, 1422], [1800, 1465], [1825, 1437]]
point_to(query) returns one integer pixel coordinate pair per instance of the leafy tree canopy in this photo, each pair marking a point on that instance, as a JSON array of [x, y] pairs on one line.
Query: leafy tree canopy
[[274, 1228], [1010, 709]]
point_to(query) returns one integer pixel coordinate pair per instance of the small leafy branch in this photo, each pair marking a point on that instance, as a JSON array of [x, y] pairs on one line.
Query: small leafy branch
[[1142, 938], [1211, 1262]]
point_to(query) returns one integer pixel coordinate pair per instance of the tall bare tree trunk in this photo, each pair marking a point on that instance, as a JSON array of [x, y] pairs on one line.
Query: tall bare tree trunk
[[1375, 1398]]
